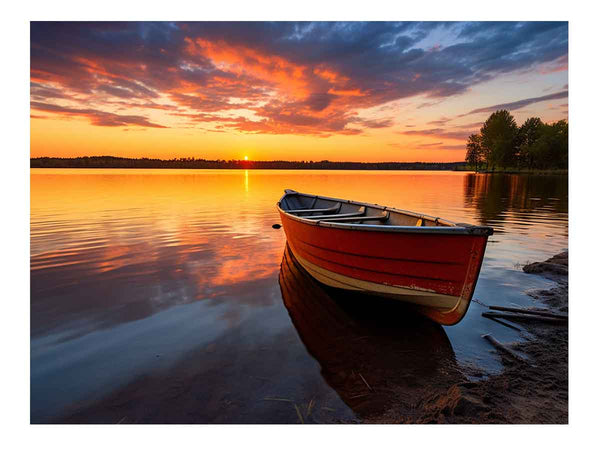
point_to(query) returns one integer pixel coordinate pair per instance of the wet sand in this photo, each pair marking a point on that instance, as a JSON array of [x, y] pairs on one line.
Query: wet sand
[[533, 390]]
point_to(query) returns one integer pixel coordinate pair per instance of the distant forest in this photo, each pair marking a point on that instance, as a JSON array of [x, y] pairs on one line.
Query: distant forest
[[502, 144], [113, 162]]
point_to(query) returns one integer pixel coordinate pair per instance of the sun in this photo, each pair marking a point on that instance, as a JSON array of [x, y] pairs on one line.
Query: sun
[[245, 158]]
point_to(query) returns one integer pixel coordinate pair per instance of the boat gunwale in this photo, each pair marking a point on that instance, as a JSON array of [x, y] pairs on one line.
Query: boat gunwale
[[451, 228]]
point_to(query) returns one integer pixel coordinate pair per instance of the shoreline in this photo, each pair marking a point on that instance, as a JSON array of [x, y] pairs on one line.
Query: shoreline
[[523, 172], [532, 389], [113, 162]]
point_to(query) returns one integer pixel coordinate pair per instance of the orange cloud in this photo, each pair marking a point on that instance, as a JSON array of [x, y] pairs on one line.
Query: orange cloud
[[348, 92], [284, 74]]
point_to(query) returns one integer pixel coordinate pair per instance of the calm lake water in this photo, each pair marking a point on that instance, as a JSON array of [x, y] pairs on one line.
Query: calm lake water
[[166, 295]]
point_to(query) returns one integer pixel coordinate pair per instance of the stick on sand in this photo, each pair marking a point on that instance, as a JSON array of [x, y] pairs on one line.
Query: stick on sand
[[492, 340]]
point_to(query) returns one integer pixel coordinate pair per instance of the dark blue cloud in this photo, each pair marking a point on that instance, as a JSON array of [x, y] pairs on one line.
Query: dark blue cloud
[[519, 103], [100, 118], [373, 53]]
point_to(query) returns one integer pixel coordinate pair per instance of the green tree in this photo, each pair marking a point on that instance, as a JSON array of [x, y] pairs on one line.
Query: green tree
[[533, 145], [499, 139], [561, 133], [474, 154], [551, 150], [529, 133]]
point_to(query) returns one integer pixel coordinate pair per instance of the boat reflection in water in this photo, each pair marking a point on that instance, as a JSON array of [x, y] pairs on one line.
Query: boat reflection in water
[[374, 352]]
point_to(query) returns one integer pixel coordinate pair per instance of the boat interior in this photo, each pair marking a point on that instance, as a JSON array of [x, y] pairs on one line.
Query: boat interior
[[325, 209]]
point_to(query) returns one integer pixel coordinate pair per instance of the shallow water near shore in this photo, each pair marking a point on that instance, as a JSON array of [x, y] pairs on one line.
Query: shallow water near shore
[[160, 295]]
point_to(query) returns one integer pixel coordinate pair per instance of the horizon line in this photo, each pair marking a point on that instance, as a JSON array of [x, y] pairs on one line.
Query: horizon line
[[192, 158]]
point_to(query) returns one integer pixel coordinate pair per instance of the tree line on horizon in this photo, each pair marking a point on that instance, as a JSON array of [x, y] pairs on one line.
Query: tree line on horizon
[[114, 162], [501, 143]]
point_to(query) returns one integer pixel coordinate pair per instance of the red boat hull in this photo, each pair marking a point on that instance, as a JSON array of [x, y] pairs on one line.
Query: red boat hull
[[436, 273]]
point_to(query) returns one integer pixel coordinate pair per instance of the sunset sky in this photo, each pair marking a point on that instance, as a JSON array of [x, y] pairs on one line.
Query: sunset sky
[[294, 91]]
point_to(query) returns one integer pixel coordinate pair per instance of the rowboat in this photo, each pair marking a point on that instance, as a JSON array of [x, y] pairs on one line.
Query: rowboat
[[429, 263]]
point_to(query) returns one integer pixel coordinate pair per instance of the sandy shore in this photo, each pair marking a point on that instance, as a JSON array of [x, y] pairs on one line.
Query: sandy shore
[[531, 390]]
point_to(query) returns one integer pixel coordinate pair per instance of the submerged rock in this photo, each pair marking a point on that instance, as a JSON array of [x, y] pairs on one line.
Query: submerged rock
[[557, 269], [558, 265]]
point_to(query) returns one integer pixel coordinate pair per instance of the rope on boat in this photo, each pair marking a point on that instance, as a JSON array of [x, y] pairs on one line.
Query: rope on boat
[[480, 302]]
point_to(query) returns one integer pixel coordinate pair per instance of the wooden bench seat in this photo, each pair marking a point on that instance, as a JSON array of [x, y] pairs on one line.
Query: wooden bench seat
[[333, 208], [358, 213], [360, 218]]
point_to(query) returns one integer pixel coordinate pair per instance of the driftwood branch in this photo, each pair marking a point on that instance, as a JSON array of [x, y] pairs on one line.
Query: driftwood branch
[[529, 311], [502, 322], [492, 340], [524, 318]]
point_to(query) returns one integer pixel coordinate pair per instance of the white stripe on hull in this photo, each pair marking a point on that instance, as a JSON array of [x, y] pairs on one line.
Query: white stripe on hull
[[415, 296]]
